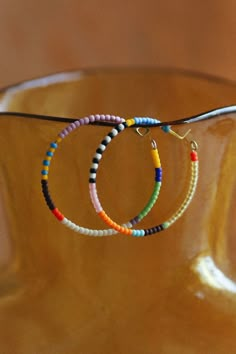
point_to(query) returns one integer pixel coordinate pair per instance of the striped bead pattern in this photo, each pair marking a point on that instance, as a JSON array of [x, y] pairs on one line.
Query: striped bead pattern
[[47, 161], [143, 232]]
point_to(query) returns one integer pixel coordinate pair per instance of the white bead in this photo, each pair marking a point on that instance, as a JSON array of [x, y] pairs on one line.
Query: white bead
[[114, 132], [102, 147], [64, 221], [98, 156], [108, 139], [73, 226], [121, 127], [94, 165], [92, 175]]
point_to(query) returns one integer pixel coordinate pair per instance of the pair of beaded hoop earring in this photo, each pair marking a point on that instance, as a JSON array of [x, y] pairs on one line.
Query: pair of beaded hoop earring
[[121, 125]]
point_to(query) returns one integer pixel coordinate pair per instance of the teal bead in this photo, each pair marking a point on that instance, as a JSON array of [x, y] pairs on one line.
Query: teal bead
[[44, 172], [46, 162], [53, 145], [166, 128]]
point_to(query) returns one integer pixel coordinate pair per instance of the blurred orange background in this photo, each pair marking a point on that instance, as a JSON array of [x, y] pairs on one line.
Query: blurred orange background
[[40, 37]]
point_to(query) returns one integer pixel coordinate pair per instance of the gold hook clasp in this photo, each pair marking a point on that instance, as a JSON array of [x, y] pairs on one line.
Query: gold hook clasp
[[181, 137], [194, 145], [142, 131], [167, 129]]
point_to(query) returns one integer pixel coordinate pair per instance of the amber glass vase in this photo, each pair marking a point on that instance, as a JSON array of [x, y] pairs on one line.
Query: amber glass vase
[[65, 293]]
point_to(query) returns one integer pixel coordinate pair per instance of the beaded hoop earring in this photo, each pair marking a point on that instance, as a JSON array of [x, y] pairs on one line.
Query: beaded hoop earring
[[50, 153], [142, 232]]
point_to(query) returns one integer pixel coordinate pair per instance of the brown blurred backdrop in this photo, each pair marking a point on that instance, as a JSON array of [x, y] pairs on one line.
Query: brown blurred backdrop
[[40, 37]]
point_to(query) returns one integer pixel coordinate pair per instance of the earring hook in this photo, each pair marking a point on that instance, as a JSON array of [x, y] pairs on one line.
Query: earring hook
[[167, 129], [140, 133]]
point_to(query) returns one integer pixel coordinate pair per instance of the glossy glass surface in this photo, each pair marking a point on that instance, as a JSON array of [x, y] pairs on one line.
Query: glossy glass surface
[[171, 293]]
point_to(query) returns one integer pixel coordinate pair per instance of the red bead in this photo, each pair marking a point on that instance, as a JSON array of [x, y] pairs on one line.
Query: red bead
[[194, 156], [58, 214]]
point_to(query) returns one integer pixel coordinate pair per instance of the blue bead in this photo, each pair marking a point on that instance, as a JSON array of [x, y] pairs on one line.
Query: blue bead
[[53, 145], [166, 128], [49, 153], [46, 162], [44, 172], [152, 121]]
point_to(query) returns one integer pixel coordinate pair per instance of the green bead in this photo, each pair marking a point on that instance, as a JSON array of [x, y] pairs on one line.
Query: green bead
[[165, 225]]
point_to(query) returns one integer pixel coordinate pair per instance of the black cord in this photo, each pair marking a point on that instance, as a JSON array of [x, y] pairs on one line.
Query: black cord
[[218, 112]]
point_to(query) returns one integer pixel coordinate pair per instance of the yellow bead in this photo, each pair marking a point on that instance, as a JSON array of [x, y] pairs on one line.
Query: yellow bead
[[46, 168], [48, 158], [59, 139], [130, 122], [45, 177], [52, 149], [156, 158]]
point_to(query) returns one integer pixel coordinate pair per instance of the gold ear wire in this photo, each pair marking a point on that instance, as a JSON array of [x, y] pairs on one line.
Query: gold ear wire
[[142, 133], [180, 136], [167, 129]]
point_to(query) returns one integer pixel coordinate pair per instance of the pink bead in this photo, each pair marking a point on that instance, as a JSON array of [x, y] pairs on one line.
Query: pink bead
[[73, 126], [102, 117], [107, 117], [96, 202], [86, 120], [92, 118], [61, 135], [69, 129], [77, 123], [97, 116], [65, 132], [82, 121]]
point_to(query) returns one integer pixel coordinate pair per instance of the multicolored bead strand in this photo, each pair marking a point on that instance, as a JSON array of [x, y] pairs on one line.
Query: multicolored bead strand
[[157, 186], [143, 232], [50, 153]]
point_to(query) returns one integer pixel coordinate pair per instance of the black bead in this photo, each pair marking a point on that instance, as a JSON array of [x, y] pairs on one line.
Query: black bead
[[99, 151], [111, 135], [104, 142], [92, 180], [119, 128]]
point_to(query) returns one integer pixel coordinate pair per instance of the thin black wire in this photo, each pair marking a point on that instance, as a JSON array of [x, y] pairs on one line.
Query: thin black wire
[[215, 113]]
